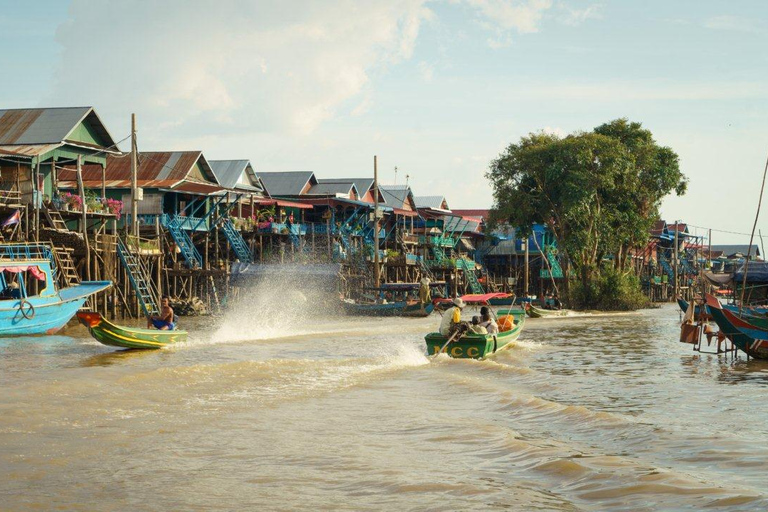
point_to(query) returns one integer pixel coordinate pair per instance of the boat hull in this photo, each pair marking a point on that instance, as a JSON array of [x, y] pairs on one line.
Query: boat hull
[[750, 341], [477, 346], [45, 314], [113, 335], [399, 308], [535, 312], [696, 311]]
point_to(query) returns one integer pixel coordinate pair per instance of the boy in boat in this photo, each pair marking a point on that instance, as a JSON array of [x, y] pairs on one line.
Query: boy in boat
[[487, 321], [476, 327], [164, 321]]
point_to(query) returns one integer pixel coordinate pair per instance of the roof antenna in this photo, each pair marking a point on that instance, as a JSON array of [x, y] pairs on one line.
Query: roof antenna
[[395, 175], [407, 176]]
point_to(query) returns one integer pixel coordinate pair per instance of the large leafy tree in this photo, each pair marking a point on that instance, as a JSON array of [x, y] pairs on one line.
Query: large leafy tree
[[598, 191]]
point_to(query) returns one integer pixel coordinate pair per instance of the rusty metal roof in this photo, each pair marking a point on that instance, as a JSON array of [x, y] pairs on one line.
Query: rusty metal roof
[[168, 170], [33, 126], [29, 150]]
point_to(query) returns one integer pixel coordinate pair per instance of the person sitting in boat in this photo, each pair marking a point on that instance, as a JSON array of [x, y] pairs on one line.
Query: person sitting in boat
[[556, 304], [165, 320], [487, 321], [11, 291], [476, 328], [452, 317]]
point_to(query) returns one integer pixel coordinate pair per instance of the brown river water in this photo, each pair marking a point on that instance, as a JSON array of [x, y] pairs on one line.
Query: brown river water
[[271, 409]]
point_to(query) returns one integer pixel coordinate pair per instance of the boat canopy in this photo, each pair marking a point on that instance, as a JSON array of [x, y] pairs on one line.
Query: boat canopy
[[33, 269]]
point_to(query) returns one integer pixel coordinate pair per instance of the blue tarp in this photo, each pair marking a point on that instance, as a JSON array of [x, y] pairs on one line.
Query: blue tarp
[[757, 273]]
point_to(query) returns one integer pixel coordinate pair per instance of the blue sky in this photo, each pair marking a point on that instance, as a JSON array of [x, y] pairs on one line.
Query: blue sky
[[436, 88]]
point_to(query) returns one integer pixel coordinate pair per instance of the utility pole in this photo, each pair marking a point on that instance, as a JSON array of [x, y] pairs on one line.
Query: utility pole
[[84, 217], [134, 180], [376, 269], [675, 248]]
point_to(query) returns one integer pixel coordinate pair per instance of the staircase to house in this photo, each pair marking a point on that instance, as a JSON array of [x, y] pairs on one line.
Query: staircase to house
[[55, 220], [66, 273], [140, 281], [554, 263], [184, 243], [667, 268], [468, 267], [236, 241]]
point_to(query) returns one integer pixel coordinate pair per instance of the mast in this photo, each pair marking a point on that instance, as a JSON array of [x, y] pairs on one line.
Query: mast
[[751, 238], [134, 180]]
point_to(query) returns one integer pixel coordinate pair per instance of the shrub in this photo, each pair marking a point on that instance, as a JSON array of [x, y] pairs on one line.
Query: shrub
[[611, 291]]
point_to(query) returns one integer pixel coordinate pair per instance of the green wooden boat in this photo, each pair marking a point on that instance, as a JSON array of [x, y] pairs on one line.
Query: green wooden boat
[[535, 312], [127, 337], [477, 346]]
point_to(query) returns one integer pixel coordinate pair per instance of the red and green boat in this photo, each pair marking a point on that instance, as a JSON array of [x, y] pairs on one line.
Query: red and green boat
[[127, 337], [477, 346]]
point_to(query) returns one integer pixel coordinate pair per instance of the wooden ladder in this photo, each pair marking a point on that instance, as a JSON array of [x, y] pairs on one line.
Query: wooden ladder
[[55, 220], [67, 273]]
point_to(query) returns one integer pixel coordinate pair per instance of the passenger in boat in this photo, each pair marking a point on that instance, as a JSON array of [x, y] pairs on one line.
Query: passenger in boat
[[487, 321], [165, 320], [476, 328], [11, 291], [425, 296], [556, 304], [452, 317]]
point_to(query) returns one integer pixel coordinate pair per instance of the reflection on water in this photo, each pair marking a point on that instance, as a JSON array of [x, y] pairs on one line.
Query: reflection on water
[[596, 412]]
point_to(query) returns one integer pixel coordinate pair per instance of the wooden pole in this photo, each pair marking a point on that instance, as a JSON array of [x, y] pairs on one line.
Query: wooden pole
[[134, 180], [677, 288], [103, 181], [81, 190], [376, 269], [751, 238], [527, 268], [37, 198]]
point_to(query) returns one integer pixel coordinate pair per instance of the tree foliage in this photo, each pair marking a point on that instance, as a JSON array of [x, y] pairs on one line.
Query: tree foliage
[[598, 192]]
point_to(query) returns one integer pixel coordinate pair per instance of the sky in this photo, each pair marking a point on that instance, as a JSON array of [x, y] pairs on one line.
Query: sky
[[436, 89]]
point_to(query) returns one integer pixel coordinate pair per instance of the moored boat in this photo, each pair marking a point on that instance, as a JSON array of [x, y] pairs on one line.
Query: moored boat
[[398, 308], [477, 346], [128, 337], [697, 311], [30, 299], [535, 312], [747, 338]]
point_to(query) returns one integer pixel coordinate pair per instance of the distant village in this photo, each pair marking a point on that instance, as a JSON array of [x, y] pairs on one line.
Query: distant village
[[201, 223]]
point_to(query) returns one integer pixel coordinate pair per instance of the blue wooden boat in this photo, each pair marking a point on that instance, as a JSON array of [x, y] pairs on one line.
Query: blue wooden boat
[[30, 300], [397, 308], [696, 310]]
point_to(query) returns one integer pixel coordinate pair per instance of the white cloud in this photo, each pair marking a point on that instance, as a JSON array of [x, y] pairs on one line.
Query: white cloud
[[575, 17], [521, 16], [230, 66], [731, 23], [427, 71]]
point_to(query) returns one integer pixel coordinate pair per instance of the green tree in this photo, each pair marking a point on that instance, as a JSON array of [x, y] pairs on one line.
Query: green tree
[[598, 192]]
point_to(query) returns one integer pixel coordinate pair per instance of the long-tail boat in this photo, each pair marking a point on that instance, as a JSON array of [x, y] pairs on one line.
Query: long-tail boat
[[30, 300], [397, 308], [746, 337], [128, 337], [477, 346], [535, 312]]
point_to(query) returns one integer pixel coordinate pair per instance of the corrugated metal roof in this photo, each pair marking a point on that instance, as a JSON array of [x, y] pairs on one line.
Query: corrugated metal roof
[[324, 188], [730, 250], [430, 202], [396, 195], [30, 126], [31, 149], [156, 170], [230, 172], [479, 213], [286, 183]]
